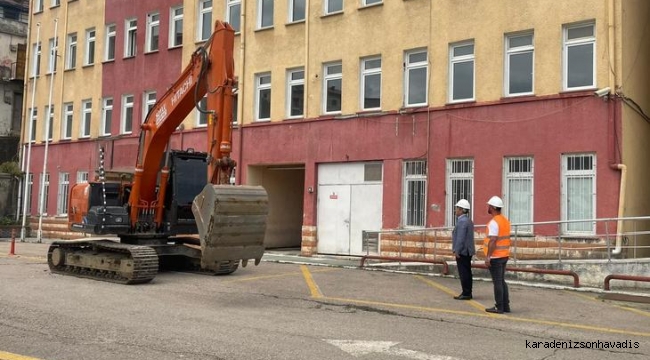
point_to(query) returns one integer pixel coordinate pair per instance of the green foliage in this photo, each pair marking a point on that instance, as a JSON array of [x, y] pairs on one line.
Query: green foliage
[[7, 221], [10, 167]]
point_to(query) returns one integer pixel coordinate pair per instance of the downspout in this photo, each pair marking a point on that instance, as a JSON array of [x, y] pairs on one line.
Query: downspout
[[241, 90], [305, 108], [611, 43]]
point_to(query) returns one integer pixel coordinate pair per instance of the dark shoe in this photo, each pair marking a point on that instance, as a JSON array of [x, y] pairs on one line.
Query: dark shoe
[[463, 297], [506, 310], [494, 310]]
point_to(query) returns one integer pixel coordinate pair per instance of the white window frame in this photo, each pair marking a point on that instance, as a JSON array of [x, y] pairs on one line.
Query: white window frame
[[205, 16], [51, 63], [371, 2], [234, 22], [367, 71], [62, 196], [130, 38], [262, 85], [148, 102], [175, 25], [292, 8], [30, 191], [414, 205], [44, 183], [71, 53], [111, 34], [567, 44], [326, 7], [589, 226], [202, 118], [262, 16], [89, 56], [34, 116], [107, 116], [295, 78], [82, 177], [511, 179], [152, 32], [68, 118], [86, 118], [127, 103], [55, 3], [510, 51], [454, 60], [38, 6], [49, 122], [414, 65], [36, 65], [332, 76], [458, 169]]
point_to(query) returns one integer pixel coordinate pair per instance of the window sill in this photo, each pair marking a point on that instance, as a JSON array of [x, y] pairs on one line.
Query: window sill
[[69, 69], [370, 6], [151, 52], [104, 135], [295, 22], [173, 47], [128, 57], [88, 65], [335, 13], [264, 29], [84, 137]]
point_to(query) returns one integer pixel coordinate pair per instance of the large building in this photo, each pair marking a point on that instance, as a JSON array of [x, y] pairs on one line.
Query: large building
[[366, 114]]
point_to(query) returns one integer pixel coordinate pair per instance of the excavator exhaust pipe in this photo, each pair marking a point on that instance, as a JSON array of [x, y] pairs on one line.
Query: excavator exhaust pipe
[[231, 221]]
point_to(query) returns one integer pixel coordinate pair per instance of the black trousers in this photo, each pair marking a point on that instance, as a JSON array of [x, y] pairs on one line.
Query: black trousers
[[498, 272], [464, 264]]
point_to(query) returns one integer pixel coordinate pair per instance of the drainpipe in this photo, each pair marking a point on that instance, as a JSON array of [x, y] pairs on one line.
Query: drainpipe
[[240, 90], [621, 207]]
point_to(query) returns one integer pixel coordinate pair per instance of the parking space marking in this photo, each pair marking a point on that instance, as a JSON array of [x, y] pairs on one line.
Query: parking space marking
[[623, 307], [10, 356], [447, 290], [313, 288]]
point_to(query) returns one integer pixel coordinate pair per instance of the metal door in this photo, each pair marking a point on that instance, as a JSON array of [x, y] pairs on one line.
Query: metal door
[[334, 219]]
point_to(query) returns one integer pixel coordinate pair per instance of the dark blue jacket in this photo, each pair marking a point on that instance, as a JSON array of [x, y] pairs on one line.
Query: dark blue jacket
[[462, 238]]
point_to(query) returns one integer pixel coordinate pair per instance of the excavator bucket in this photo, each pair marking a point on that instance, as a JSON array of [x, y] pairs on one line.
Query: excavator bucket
[[231, 221]]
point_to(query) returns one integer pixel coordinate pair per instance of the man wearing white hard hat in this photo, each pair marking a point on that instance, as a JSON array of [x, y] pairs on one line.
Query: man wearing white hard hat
[[462, 244], [496, 248]]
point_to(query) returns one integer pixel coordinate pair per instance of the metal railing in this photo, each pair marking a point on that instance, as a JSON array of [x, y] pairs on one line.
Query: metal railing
[[606, 242]]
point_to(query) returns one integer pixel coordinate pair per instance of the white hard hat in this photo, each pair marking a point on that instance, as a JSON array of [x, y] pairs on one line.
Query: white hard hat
[[495, 201], [463, 204]]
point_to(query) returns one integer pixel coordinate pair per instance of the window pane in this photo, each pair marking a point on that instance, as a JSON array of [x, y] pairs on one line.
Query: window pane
[[415, 194], [297, 99], [234, 17], [580, 32], [417, 86], [579, 203], [265, 104], [298, 10], [372, 91], [463, 80], [464, 50], [334, 5], [334, 95], [519, 200], [580, 68], [517, 41], [267, 13], [521, 73]]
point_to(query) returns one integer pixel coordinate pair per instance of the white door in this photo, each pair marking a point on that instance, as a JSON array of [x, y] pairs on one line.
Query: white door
[[365, 213], [334, 219]]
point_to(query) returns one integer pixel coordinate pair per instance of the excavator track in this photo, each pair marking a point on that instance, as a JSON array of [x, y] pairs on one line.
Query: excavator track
[[103, 260]]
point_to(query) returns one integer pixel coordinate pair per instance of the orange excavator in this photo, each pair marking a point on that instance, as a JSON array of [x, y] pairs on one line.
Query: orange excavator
[[173, 193]]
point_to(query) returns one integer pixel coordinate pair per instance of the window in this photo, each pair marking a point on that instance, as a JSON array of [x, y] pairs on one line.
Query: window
[[45, 185], [38, 6], [333, 6], [263, 96], [518, 192], [371, 83], [127, 114], [36, 66], [205, 19], [90, 47], [332, 86], [176, 27], [49, 124], [153, 32], [66, 129], [30, 188], [71, 54], [149, 100], [233, 14], [579, 57], [579, 192], [130, 47], [519, 61], [86, 117], [51, 64], [295, 93], [54, 3], [296, 10], [264, 14], [33, 124], [415, 193], [416, 69], [371, 2], [62, 201], [201, 117], [461, 70], [460, 185], [110, 43], [82, 177], [107, 116]]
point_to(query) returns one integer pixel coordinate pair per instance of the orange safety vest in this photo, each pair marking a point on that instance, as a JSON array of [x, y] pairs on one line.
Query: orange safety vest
[[503, 239]]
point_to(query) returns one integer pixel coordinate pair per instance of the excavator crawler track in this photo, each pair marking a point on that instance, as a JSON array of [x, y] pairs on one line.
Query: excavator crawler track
[[103, 260]]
